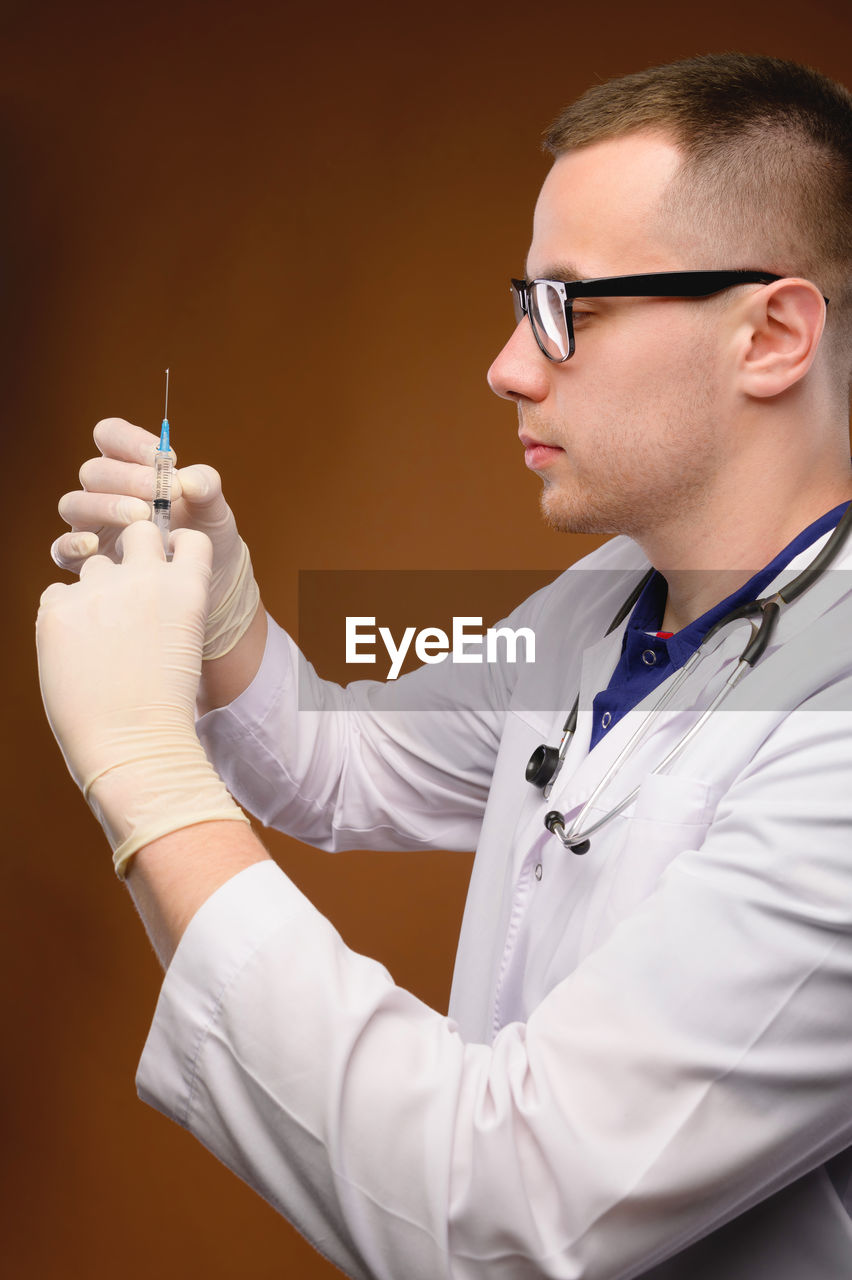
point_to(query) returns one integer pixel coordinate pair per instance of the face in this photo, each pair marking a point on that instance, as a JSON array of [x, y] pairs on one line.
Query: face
[[625, 434]]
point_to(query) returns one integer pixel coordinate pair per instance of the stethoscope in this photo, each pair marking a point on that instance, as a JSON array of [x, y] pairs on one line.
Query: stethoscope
[[545, 763]]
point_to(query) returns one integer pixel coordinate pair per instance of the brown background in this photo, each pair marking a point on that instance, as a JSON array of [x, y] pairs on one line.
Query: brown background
[[310, 214]]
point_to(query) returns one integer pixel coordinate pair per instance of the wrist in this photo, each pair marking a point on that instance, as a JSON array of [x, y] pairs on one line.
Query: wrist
[[224, 679], [231, 616], [170, 878], [148, 798]]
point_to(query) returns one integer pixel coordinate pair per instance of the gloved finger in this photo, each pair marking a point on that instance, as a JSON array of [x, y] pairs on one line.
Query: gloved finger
[[117, 438], [200, 484], [139, 542], [51, 593], [108, 475], [91, 511], [95, 565], [191, 547], [201, 488], [71, 550]]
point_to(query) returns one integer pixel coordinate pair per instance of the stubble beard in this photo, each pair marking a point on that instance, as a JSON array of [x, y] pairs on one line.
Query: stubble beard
[[565, 513], [665, 487]]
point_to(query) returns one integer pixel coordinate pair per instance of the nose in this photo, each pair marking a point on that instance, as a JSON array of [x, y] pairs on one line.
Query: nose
[[520, 371]]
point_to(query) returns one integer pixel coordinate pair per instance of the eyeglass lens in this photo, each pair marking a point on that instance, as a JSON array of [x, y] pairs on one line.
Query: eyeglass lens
[[547, 316]]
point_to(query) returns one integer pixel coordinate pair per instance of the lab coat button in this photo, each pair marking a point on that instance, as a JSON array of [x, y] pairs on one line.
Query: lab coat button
[[538, 871], [649, 658], [605, 720]]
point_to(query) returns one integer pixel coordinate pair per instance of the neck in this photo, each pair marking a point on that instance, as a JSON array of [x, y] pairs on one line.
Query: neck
[[719, 557]]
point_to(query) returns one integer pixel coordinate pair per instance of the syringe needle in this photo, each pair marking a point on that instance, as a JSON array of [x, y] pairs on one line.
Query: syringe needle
[[166, 410]]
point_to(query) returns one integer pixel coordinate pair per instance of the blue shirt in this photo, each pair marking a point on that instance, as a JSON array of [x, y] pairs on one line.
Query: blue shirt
[[648, 659]]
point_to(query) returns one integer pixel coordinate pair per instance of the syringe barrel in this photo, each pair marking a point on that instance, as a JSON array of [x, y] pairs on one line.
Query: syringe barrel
[[162, 504], [163, 468]]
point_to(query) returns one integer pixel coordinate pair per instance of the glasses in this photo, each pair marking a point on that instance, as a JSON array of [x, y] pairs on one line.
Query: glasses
[[550, 303]]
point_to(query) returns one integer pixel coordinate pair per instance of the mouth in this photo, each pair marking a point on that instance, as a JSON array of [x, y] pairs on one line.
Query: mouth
[[537, 453]]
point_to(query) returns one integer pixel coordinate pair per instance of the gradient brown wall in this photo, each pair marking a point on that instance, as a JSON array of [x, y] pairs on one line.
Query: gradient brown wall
[[310, 215]]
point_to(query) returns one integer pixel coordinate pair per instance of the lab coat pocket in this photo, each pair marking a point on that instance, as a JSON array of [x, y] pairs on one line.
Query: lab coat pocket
[[671, 814]]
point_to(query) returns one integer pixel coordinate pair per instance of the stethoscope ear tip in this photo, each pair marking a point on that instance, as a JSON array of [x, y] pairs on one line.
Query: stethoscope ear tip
[[555, 823]]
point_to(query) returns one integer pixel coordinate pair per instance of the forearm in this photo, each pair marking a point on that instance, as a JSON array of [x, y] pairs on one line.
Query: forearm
[[224, 679], [403, 765], [170, 878]]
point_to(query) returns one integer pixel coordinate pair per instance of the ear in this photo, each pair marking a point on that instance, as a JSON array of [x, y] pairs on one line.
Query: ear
[[784, 322]]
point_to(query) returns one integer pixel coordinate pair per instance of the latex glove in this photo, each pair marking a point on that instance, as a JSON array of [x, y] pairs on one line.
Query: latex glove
[[119, 663], [117, 490]]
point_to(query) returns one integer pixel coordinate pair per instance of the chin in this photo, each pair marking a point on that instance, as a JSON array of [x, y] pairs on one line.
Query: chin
[[568, 513]]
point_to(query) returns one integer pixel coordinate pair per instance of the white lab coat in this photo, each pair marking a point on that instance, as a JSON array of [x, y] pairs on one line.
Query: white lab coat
[[643, 1043]]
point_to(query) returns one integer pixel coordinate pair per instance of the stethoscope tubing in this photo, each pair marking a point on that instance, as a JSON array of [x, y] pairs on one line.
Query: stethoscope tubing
[[573, 835]]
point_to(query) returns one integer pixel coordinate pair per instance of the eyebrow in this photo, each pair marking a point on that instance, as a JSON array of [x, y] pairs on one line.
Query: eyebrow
[[564, 273]]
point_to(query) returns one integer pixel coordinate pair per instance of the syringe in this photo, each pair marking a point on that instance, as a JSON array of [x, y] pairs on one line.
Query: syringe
[[163, 468]]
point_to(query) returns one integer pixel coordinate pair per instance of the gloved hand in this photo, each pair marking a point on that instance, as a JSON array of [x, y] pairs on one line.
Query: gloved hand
[[119, 663], [117, 490]]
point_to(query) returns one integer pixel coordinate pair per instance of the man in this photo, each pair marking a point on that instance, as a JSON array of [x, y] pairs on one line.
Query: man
[[649, 1065]]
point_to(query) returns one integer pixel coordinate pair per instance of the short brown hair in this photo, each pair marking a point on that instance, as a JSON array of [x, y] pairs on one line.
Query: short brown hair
[[767, 170]]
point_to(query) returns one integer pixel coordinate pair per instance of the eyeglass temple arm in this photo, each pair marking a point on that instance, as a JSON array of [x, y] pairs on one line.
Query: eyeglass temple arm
[[684, 284]]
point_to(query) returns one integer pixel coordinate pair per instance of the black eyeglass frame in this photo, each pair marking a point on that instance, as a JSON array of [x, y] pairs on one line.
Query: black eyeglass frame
[[658, 284]]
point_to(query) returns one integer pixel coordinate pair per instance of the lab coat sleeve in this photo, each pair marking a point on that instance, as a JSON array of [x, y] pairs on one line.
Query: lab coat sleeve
[[405, 764], [698, 1061]]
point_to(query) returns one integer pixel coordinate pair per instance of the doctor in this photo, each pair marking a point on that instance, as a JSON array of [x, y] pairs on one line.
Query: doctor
[[648, 1066]]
